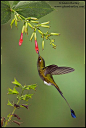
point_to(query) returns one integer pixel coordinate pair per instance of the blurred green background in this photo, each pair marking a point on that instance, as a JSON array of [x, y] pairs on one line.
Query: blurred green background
[[47, 108]]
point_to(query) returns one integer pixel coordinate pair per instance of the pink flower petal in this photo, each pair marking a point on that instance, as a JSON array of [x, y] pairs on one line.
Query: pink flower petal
[[21, 39], [20, 43], [36, 47], [36, 44], [37, 50]]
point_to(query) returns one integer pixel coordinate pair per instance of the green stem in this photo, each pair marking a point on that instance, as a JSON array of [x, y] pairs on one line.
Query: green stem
[[17, 13], [21, 16], [10, 117]]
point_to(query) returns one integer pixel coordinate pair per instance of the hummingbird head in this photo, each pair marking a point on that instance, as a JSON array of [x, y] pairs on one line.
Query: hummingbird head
[[40, 62]]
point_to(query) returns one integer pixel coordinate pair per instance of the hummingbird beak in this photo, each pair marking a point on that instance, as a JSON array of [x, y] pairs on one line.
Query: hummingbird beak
[[38, 54]]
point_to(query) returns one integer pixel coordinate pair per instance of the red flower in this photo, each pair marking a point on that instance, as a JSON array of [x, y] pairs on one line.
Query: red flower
[[36, 47], [21, 39]]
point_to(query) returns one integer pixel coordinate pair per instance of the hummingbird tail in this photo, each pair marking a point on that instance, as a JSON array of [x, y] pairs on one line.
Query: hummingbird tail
[[56, 86], [72, 112]]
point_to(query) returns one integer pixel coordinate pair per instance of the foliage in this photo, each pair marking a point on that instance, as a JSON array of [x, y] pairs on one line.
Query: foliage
[[25, 8], [28, 12], [19, 96]]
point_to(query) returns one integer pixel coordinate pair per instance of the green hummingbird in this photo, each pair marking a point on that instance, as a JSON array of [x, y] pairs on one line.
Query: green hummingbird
[[46, 75]]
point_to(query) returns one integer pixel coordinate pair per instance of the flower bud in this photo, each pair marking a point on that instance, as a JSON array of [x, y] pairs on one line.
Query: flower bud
[[12, 22], [16, 23], [16, 105], [24, 105], [45, 23], [45, 26], [34, 21], [17, 122], [40, 31], [31, 36], [15, 17], [26, 25], [30, 25], [51, 41], [23, 29], [43, 45], [16, 116], [26, 28], [35, 35], [33, 18], [38, 25], [57, 34], [46, 37], [54, 46]]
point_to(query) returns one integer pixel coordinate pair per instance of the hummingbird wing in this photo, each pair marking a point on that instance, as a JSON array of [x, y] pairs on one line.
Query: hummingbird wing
[[55, 70]]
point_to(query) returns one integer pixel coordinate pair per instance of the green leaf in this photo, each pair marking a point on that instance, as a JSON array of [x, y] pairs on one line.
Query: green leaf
[[28, 87], [5, 12], [24, 87], [36, 9], [26, 97], [9, 103], [31, 87], [18, 97], [17, 83], [15, 3], [14, 91]]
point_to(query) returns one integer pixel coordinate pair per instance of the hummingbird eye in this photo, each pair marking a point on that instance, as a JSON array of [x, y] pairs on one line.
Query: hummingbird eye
[[39, 59]]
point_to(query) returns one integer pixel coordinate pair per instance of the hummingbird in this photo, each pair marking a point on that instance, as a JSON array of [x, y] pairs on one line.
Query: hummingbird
[[46, 75]]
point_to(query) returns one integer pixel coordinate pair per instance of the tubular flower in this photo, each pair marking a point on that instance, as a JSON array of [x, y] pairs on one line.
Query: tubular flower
[[36, 47], [21, 39]]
